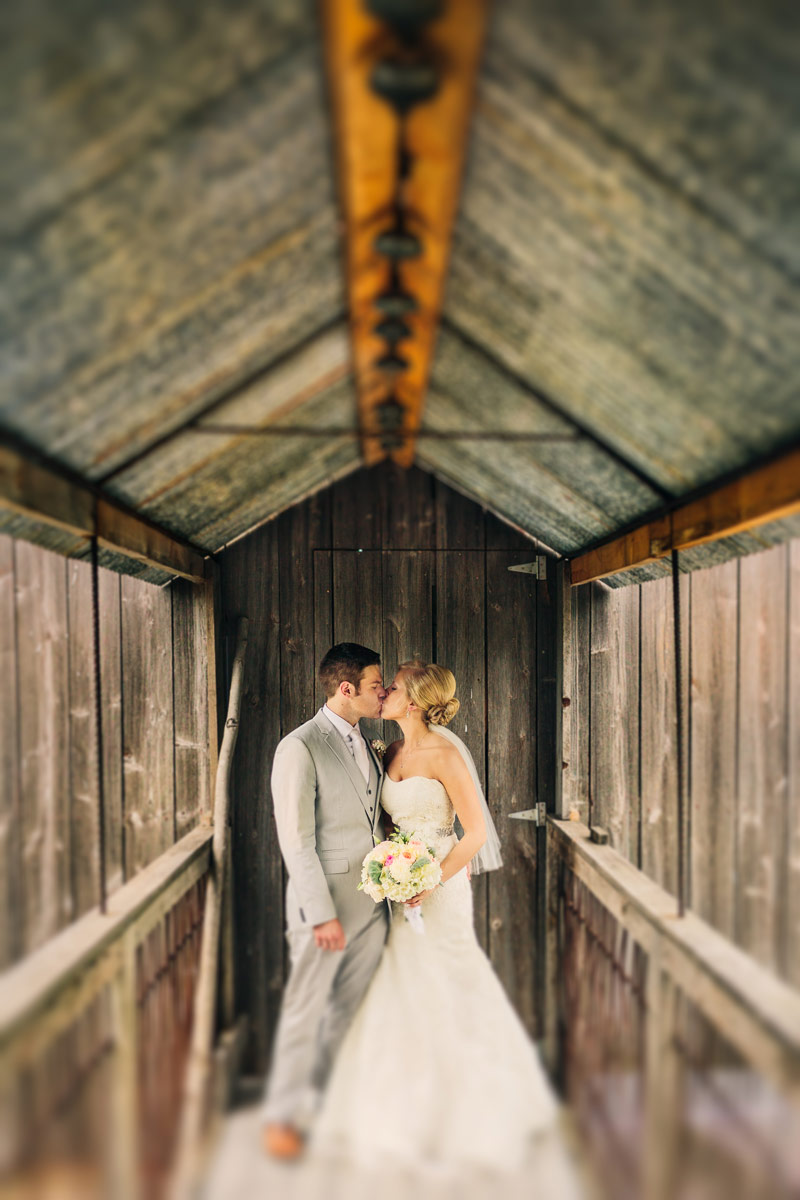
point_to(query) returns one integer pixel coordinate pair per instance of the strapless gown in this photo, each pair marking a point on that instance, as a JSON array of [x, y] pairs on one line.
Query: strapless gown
[[436, 1066]]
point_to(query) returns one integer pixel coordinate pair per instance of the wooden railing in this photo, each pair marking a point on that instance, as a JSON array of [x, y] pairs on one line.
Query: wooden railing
[[94, 1036], [678, 1053]]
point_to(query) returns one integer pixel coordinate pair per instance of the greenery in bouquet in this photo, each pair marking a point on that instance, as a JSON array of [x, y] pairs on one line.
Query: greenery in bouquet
[[399, 869]]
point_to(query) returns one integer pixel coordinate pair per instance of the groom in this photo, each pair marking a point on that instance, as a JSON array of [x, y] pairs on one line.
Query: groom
[[325, 787]]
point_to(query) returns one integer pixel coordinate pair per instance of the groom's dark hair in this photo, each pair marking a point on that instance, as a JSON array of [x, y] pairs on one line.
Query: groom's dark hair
[[346, 661]]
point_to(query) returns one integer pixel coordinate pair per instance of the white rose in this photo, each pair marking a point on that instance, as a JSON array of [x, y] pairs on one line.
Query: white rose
[[400, 869]]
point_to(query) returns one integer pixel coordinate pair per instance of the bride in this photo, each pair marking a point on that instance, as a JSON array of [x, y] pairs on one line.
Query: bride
[[436, 1065]]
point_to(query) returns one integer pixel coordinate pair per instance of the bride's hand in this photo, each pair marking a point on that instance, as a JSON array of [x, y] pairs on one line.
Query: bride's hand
[[415, 901]]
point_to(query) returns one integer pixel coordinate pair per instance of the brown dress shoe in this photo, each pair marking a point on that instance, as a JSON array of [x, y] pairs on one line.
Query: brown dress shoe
[[282, 1141]]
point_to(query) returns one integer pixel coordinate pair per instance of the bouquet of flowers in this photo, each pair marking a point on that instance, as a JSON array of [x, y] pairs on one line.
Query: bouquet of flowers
[[399, 868]]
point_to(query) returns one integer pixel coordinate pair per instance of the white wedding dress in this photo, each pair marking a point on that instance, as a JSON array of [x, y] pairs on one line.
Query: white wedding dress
[[436, 1068]]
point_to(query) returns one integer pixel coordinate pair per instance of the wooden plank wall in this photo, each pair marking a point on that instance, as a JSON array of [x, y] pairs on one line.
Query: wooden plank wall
[[155, 734], [741, 645], [401, 562]]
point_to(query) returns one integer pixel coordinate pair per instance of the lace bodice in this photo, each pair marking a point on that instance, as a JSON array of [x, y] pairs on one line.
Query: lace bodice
[[422, 806]]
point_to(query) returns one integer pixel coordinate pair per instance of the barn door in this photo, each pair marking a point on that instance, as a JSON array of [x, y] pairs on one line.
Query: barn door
[[464, 610]]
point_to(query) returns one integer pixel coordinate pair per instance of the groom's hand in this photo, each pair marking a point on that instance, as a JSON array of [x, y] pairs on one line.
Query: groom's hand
[[330, 935]]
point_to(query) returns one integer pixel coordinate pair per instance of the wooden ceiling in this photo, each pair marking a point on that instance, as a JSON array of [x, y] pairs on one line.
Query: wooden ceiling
[[619, 324]]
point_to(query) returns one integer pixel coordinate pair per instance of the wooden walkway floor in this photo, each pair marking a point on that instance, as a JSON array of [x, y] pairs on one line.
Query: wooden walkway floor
[[239, 1170]]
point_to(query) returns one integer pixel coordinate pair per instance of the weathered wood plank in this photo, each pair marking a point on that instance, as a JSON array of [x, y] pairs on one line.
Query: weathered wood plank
[[148, 730], [581, 600], [682, 317], [407, 606], [81, 701], [141, 75], [41, 604], [511, 731], [567, 492], [500, 535], [548, 759], [615, 716], [257, 248], [251, 588], [356, 511], [658, 729], [323, 612], [110, 586], [298, 530], [733, 66], [663, 1085], [762, 761], [790, 960], [190, 686], [253, 472], [767, 494], [460, 634], [357, 608], [545, 678], [12, 915], [409, 509], [460, 523], [715, 601], [211, 605], [565, 733]]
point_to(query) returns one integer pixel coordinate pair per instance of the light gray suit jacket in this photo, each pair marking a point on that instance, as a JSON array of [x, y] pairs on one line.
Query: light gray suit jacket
[[326, 814]]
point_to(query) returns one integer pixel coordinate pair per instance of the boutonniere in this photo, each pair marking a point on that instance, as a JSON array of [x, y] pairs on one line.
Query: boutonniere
[[378, 746]]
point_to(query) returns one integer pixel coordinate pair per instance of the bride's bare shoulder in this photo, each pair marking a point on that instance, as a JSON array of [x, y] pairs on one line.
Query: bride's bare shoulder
[[445, 753]]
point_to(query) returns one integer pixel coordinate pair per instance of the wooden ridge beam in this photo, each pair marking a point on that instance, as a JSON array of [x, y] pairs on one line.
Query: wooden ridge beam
[[767, 493], [34, 489], [368, 133]]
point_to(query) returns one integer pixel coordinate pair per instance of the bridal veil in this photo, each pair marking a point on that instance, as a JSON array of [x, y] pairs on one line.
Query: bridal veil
[[488, 857]]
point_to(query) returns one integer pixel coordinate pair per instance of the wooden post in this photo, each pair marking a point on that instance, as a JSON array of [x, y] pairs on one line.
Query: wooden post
[[552, 964], [663, 1085], [209, 588], [201, 1054], [227, 970], [124, 1098], [226, 974], [564, 680]]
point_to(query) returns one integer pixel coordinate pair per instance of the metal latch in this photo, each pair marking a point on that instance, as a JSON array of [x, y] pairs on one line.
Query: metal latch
[[537, 814], [537, 568]]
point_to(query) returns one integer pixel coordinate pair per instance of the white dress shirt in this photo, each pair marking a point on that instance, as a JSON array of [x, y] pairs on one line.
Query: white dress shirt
[[353, 738]]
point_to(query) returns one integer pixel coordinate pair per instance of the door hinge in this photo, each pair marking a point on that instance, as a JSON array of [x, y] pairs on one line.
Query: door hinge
[[537, 814], [537, 568]]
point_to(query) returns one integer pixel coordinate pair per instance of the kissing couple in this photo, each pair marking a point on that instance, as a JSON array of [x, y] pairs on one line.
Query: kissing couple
[[391, 1045]]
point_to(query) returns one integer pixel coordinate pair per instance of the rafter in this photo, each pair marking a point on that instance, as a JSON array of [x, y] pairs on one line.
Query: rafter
[[48, 495], [768, 493]]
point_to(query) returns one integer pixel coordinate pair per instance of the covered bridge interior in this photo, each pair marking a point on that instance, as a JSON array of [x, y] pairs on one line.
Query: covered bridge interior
[[469, 333]]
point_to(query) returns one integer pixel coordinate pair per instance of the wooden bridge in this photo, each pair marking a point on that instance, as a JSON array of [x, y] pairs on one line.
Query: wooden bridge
[[543, 428]]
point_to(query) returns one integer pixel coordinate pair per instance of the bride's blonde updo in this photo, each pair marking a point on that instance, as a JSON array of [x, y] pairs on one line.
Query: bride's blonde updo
[[433, 689]]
